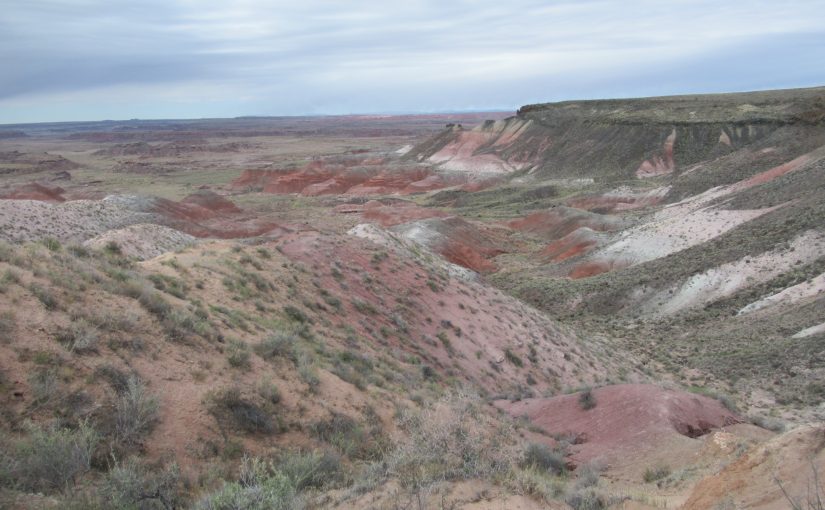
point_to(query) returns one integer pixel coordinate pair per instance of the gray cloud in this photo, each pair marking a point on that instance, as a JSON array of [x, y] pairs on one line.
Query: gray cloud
[[96, 59]]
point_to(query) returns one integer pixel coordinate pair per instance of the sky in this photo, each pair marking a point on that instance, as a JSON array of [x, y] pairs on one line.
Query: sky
[[64, 60]]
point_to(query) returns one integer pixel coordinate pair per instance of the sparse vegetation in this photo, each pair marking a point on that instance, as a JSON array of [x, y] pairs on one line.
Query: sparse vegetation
[[587, 400]]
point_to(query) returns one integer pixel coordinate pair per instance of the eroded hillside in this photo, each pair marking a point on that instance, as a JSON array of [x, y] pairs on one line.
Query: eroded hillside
[[589, 304]]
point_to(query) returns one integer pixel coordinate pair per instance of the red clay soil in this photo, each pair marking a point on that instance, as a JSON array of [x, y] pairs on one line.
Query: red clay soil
[[750, 481], [351, 176], [206, 214], [626, 417], [774, 173], [35, 191], [558, 222], [595, 267], [574, 244]]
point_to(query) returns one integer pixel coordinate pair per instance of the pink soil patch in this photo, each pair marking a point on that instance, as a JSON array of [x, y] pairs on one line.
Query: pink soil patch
[[627, 417], [574, 244], [478, 321], [398, 213], [36, 191]]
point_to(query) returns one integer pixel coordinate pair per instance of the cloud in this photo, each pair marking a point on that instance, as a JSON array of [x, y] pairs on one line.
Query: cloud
[[321, 56]]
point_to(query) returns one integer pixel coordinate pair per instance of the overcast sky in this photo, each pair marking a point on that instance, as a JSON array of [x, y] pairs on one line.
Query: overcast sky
[[120, 59]]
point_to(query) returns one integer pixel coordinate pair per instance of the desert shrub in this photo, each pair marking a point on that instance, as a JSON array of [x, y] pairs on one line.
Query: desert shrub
[[136, 412], [307, 371], [45, 296], [51, 244], [260, 487], [536, 483], [229, 408], [238, 354], [8, 325], [134, 486], [44, 385], [80, 337], [364, 307], [449, 440], [117, 379], [269, 392], [587, 499], [542, 457], [513, 358], [653, 474], [349, 437], [587, 400], [51, 457], [295, 314], [311, 469], [587, 475], [277, 344]]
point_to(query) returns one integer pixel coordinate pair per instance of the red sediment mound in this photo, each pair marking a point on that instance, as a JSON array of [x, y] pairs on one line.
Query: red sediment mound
[[626, 417], [211, 201], [558, 222], [207, 214], [36, 191], [457, 240], [593, 268], [574, 244], [469, 256]]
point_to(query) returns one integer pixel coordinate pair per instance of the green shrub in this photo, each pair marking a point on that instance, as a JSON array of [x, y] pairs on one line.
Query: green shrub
[[260, 487], [133, 486], [311, 469], [136, 412], [238, 354], [80, 337], [230, 409], [8, 325], [587, 400], [277, 344], [44, 385], [51, 244], [295, 314], [587, 499], [656, 473], [349, 437], [513, 358], [50, 458], [46, 296], [541, 456]]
